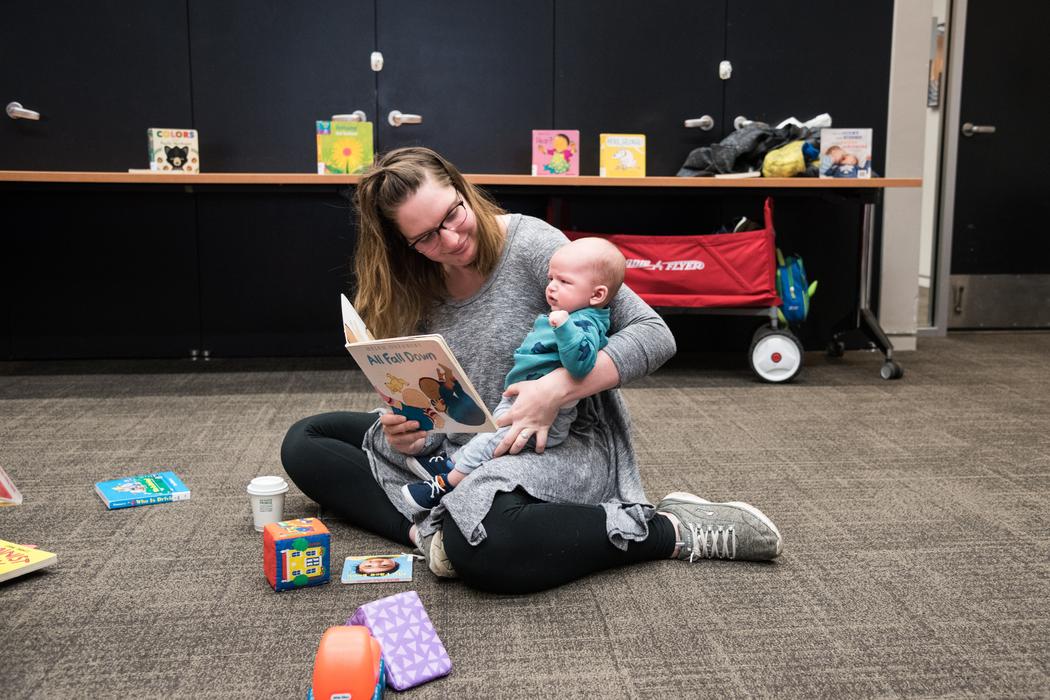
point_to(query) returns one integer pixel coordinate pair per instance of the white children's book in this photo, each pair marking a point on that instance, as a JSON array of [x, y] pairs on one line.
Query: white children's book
[[845, 153], [418, 377]]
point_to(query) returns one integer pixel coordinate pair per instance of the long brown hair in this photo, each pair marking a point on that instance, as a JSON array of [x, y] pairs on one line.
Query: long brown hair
[[395, 285]]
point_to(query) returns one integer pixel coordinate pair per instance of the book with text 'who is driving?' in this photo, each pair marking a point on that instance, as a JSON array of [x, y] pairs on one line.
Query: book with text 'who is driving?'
[[417, 377], [142, 490]]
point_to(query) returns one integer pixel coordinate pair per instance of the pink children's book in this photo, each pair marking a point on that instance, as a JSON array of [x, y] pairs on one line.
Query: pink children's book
[[556, 152]]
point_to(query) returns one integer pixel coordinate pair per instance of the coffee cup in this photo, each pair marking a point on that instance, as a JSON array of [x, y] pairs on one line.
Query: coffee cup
[[267, 497]]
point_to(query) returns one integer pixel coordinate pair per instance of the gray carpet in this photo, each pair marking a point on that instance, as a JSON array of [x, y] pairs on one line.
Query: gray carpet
[[916, 517]]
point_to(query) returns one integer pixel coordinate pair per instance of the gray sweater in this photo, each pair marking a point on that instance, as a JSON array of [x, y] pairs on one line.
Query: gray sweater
[[596, 463]]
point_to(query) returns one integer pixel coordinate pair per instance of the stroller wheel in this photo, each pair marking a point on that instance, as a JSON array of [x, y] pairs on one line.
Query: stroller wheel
[[776, 355]]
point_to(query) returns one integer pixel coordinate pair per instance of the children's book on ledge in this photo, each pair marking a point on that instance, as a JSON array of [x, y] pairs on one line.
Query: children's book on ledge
[[418, 377], [621, 155], [142, 490], [555, 152], [18, 559], [344, 148], [174, 151]]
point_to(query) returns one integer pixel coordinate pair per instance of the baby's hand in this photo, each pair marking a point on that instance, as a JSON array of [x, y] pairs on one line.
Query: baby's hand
[[558, 317]]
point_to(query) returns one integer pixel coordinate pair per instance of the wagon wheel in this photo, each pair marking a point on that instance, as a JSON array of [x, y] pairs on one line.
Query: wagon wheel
[[775, 355]]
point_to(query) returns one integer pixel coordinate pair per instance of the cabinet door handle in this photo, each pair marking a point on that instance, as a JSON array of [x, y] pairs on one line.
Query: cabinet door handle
[[396, 118], [355, 116], [969, 129], [705, 123], [16, 111]]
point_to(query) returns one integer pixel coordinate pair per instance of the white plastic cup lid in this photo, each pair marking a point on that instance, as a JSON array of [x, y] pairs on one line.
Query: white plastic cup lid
[[267, 486]]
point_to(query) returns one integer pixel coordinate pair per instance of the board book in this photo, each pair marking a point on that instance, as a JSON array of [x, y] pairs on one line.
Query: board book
[[621, 155], [174, 150], [555, 152], [344, 148], [377, 568], [417, 377], [142, 490], [9, 493], [18, 559], [845, 153]]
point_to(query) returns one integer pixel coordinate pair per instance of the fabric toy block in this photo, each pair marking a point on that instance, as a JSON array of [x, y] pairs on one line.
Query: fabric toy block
[[412, 651], [296, 553]]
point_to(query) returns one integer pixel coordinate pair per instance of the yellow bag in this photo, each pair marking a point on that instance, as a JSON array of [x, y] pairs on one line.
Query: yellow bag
[[786, 161]]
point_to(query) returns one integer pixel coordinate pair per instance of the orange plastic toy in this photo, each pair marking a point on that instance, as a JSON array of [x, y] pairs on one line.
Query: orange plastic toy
[[349, 664]]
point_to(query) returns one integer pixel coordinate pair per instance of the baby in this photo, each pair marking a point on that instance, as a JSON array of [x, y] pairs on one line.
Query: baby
[[583, 277]]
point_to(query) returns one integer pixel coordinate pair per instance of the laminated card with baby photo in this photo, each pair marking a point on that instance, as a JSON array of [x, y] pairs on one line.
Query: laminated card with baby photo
[[417, 377]]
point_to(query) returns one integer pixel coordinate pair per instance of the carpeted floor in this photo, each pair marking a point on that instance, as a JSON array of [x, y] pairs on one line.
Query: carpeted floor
[[916, 516]]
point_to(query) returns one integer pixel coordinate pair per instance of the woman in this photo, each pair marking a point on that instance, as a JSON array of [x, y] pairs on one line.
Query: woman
[[436, 255]]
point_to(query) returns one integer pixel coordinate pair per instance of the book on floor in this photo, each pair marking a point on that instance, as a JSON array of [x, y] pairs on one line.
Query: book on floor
[[18, 559], [377, 568], [9, 494], [142, 490], [418, 377], [621, 155], [174, 151]]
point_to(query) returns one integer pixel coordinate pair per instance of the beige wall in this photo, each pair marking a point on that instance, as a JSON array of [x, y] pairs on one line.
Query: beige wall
[[905, 156]]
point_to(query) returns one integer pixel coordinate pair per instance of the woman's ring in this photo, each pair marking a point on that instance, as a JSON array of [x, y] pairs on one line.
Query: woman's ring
[[526, 433]]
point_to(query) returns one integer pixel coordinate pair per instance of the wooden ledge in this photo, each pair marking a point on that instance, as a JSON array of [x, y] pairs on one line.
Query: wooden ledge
[[477, 179]]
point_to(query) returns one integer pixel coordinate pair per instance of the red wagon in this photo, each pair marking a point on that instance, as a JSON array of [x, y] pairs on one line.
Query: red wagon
[[728, 273]]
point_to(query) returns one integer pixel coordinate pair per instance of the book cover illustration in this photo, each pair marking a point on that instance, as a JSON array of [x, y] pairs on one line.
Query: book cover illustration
[[555, 152], [344, 148], [18, 559], [845, 153], [418, 377], [142, 490], [621, 155], [9, 494], [380, 568], [174, 151]]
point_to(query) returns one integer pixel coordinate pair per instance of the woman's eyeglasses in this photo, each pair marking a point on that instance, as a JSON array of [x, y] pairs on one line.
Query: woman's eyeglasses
[[453, 220]]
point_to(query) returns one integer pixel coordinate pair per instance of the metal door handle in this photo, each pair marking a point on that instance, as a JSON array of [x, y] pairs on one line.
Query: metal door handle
[[16, 111], [396, 118], [969, 129], [355, 116], [705, 123]]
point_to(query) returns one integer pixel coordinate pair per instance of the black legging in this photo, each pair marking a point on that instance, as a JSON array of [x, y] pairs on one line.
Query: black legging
[[531, 545]]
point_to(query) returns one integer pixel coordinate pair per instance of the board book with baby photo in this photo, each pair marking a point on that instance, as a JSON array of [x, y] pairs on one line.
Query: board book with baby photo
[[417, 377], [377, 568], [845, 153]]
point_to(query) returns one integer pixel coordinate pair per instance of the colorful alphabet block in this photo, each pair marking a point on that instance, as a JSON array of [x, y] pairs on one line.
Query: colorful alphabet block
[[296, 553]]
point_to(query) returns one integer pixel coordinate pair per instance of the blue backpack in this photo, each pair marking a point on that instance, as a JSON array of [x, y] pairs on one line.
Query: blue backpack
[[793, 290]]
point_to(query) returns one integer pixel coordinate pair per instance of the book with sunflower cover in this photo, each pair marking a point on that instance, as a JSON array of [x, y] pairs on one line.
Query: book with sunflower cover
[[343, 148]]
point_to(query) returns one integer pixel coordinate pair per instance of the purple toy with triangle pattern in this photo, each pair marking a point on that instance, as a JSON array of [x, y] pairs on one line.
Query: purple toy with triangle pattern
[[412, 651]]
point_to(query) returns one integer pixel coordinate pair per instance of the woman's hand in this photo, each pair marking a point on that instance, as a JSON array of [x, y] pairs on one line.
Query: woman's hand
[[533, 412], [402, 434]]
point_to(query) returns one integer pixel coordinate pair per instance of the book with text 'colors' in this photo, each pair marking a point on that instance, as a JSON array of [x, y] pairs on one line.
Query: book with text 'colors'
[[417, 377], [142, 490], [174, 151]]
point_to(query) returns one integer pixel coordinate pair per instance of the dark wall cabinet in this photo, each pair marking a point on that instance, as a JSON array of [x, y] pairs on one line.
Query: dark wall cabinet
[[254, 271]]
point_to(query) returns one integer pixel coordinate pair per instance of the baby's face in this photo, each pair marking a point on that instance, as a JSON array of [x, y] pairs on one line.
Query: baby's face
[[560, 143], [570, 281], [376, 565], [849, 159], [836, 154]]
